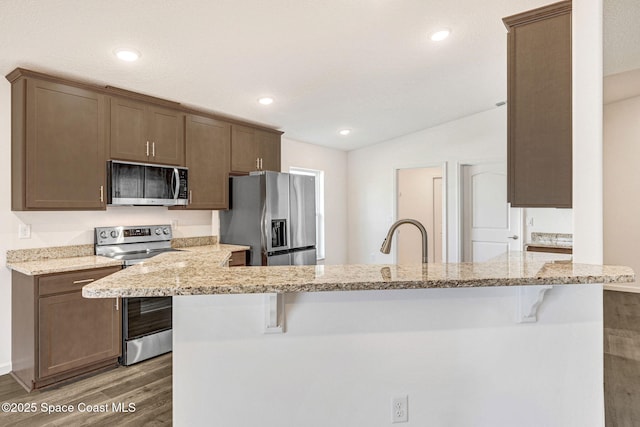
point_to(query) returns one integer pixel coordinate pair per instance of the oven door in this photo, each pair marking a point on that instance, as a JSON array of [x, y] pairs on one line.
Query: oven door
[[145, 316]]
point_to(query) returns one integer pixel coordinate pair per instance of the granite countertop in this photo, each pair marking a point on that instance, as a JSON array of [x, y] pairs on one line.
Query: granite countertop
[[38, 261], [201, 272], [61, 265]]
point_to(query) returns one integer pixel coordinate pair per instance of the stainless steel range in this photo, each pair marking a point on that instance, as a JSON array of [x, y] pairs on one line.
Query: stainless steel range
[[146, 322]]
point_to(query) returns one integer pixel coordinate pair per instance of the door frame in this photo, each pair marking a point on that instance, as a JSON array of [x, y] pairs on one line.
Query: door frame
[[445, 198], [460, 202]]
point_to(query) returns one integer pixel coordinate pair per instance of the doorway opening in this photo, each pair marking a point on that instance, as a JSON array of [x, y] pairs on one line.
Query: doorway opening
[[421, 195]]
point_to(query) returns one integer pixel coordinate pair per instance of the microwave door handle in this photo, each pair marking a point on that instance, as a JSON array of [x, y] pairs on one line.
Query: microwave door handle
[[176, 187]]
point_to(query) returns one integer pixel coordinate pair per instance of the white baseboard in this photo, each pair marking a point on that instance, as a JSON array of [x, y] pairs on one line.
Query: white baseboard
[[5, 368]]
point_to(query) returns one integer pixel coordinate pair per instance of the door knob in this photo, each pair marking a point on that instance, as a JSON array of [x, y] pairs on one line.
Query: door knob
[[514, 237]]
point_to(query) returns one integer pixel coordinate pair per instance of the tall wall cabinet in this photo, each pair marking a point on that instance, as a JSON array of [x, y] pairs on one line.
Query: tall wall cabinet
[[64, 131], [208, 152], [539, 154], [58, 145]]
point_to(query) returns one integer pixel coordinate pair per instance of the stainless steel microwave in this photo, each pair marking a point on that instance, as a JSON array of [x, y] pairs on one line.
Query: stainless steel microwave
[[132, 184]]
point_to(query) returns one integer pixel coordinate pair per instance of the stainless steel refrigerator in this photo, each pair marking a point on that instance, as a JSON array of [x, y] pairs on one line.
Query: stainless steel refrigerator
[[275, 214]]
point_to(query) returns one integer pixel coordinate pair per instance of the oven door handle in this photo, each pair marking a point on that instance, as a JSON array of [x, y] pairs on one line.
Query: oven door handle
[[176, 186]]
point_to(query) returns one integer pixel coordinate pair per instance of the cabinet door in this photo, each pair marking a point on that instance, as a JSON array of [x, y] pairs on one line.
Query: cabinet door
[[208, 148], [244, 149], [539, 107], [166, 135], [269, 144], [128, 138], [65, 146], [238, 259], [74, 331]]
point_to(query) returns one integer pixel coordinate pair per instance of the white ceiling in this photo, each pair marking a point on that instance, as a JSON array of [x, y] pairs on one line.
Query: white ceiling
[[366, 65]]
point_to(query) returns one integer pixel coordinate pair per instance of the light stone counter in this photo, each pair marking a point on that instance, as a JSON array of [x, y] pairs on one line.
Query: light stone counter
[[201, 272], [61, 265], [38, 261]]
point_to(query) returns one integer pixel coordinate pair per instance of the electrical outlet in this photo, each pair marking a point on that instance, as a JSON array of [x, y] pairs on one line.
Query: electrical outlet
[[399, 409], [24, 231]]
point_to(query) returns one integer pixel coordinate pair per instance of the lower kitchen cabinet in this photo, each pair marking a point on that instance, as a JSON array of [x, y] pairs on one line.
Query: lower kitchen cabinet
[[238, 259], [56, 333]]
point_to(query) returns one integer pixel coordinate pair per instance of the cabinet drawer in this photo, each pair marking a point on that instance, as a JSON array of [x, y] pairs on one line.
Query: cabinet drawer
[[238, 259], [67, 282]]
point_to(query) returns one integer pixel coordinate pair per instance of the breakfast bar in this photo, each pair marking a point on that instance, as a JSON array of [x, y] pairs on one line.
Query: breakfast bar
[[513, 341]]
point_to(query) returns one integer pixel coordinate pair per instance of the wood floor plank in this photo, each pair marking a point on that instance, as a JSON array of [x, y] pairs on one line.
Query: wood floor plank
[[148, 385], [622, 359]]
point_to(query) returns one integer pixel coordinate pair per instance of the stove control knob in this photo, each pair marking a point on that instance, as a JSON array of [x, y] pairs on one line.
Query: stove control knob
[[165, 230], [114, 233], [103, 234], [158, 231]]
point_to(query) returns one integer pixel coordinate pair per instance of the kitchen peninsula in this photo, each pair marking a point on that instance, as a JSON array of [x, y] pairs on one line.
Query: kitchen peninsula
[[514, 341]]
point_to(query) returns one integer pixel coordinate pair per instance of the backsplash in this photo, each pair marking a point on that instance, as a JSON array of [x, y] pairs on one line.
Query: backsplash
[[39, 254], [554, 239], [55, 252], [186, 242]]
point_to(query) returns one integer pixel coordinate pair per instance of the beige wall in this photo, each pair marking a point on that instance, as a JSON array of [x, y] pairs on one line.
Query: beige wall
[[418, 198], [622, 175]]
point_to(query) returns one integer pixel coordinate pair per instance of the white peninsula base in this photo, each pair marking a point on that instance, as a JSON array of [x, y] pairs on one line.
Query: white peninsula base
[[460, 356]]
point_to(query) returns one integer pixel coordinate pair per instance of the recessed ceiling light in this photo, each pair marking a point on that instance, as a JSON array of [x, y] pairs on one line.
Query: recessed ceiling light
[[345, 132], [266, 100], [440, 35], [128, 55]]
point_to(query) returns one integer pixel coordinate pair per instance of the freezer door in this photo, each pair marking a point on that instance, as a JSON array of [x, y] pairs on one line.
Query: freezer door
[[276, 213], [302, 193], [304, 257], [279, 259]]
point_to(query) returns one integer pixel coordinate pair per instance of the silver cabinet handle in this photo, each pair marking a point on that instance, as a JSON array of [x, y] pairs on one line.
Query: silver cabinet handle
[[153, 149], [102, 194], [147, 148], [77, 282], [190, 196], [257, 163], [260, 163], [514, 237]]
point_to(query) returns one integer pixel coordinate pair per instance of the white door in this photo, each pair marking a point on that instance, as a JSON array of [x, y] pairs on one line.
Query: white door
[[490, 227], [419, 197]]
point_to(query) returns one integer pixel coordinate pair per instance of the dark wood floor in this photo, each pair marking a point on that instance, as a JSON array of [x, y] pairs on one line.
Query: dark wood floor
[[622, 359], [147, 385]]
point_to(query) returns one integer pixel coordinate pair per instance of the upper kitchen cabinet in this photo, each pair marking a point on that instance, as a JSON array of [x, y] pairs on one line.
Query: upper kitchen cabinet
[[143, 132], [539, 107], [58, 144], [208, 154], [269, 144], [254, 150]]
